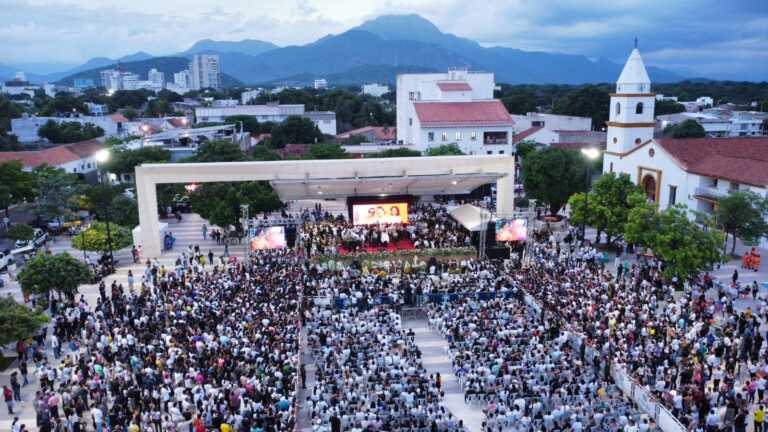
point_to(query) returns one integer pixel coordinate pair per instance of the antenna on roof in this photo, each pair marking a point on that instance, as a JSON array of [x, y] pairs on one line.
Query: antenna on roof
[[635, 42]]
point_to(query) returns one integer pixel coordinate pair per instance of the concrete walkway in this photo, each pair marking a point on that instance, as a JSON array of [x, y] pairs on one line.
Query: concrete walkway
[[434, 351]]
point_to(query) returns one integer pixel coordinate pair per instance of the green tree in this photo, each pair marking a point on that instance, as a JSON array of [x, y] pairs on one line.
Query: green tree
[[124, 211], [54, 188], [21, 231], [296, 130], [684, 248], [445, 150], [611, 199], [250, 124], [326, 151], [8, 111], [552, 175], [63, 103], [687, 129], [587, 101], [742, 214], [663, 107], [68, 132], [524, 148], [220, 202], [519, 103], [130, 113], [398, 152], [95, 238], [261, 152], [125, 161], [219, 151], [18, 321], [60, 273], [16, 185], [129, 99]]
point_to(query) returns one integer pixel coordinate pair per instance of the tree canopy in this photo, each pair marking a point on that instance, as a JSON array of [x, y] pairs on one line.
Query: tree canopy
[[16, 185], [62, 103], [742, 214], [94, 238], [220, 202], [68, 132], [687, 129], [611, 199], [219, 151], [552, 175], [61, 273], [296, 130], [55, 189], [398, 152], [125, 161], [326, 151], [587, 101], [21, 232], [663, 107], [685, 248], [18, 321], [451, 149]]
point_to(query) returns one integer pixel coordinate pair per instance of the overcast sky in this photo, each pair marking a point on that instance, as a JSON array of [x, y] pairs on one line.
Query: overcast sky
[[714, 38]]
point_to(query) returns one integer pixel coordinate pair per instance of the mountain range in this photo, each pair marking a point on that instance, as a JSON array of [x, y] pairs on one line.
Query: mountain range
[[377, 50]]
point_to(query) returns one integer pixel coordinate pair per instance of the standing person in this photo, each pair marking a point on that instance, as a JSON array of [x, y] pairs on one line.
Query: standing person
[[135, 254], [210, 256], [8, 396], [16, 386], [131, 279], [205, 232], [24, 372], [97, 415], [760, 419]]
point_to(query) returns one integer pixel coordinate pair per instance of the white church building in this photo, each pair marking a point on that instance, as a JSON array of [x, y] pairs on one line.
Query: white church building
[[691, 171]]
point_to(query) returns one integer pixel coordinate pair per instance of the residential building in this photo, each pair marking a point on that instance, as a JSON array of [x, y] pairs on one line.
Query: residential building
[[116, 79], [377, 135], [661, 97], [454, 107], [693, 171], [705, 101], [17, 87], [321, 84], [25, 128], [83, 83], [551, 122], [224, 103], [324, 120], [181, 79], [713, 125], [204, 72], [375, 90], [96, 109], [747, 123], [76, 158], [719, 122], [183, 142], [249, 96], [157, 78]]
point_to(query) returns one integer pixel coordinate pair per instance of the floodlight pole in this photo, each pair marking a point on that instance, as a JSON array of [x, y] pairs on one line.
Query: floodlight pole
[[246, 218]]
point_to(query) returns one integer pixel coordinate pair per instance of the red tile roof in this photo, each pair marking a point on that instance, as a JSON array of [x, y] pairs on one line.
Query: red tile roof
[[118, 118], [516, 138], [382, 133], [742, 160], [478, 113], [54, 156], [454, 86]]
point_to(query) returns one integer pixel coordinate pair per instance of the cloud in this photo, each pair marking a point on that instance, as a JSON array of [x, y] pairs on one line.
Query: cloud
[[705, 36]]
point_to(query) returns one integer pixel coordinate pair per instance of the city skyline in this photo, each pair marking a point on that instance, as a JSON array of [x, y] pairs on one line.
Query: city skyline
[[724, 41]]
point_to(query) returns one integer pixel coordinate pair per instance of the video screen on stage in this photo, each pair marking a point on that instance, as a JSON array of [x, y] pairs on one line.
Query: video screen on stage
[[387, 213], [511, 230], [268, 238]]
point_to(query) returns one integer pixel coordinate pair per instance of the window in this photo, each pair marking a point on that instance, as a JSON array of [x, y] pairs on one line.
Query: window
[[610, 169], [473, 135], [734, 186], [489, 152], [618, 108], [430, 136], [458, 136], [537, 123], [411, 95], [672, 195], [639, 108], [410, 121], [445, 136], [501, 151]]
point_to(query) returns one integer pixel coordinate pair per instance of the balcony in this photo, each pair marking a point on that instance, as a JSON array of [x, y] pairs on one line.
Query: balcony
[[711, 193]]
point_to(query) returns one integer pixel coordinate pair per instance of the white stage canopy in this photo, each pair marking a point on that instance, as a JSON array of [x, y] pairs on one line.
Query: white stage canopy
[[471, 217]]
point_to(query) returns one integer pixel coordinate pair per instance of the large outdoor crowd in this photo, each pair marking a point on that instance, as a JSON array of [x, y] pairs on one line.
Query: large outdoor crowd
[[213, 344], [192, 348]]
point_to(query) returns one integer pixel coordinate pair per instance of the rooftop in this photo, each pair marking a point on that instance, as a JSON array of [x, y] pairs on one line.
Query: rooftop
[[379, 132], [54, 156], [742, 160], [477, 113], [454, 86]]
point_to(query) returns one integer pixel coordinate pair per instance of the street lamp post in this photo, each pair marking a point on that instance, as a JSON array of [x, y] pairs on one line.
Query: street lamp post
[[591, 154], [101, 157]]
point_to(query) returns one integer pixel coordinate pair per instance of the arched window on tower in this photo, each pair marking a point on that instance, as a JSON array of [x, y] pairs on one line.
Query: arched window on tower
[[639, 108], [618, 108]]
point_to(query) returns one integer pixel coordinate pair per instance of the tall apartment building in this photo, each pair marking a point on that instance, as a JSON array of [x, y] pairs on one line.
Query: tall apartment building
[[204, 72], [157, 78]]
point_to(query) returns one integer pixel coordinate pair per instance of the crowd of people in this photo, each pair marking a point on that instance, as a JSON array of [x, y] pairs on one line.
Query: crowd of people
[[370, 375], [193, 348], [429, 226]]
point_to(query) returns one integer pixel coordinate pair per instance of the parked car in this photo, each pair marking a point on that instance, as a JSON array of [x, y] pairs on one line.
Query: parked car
[[28, 246], [6, 258]]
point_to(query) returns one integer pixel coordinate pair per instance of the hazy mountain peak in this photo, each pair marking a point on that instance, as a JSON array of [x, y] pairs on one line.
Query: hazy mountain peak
[[245, 46]]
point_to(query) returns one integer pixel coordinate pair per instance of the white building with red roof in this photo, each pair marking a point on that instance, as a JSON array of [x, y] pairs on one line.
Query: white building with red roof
[[696, 172], [75, 158], [454, 107]]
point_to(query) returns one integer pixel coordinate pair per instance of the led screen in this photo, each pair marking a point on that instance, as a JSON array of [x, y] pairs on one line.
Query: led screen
[[386, 213], [268, 238], [511, 230]]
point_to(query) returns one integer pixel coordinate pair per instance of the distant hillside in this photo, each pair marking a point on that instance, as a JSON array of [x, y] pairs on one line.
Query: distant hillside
[[355, 76], [247, 46], [167, 65]]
